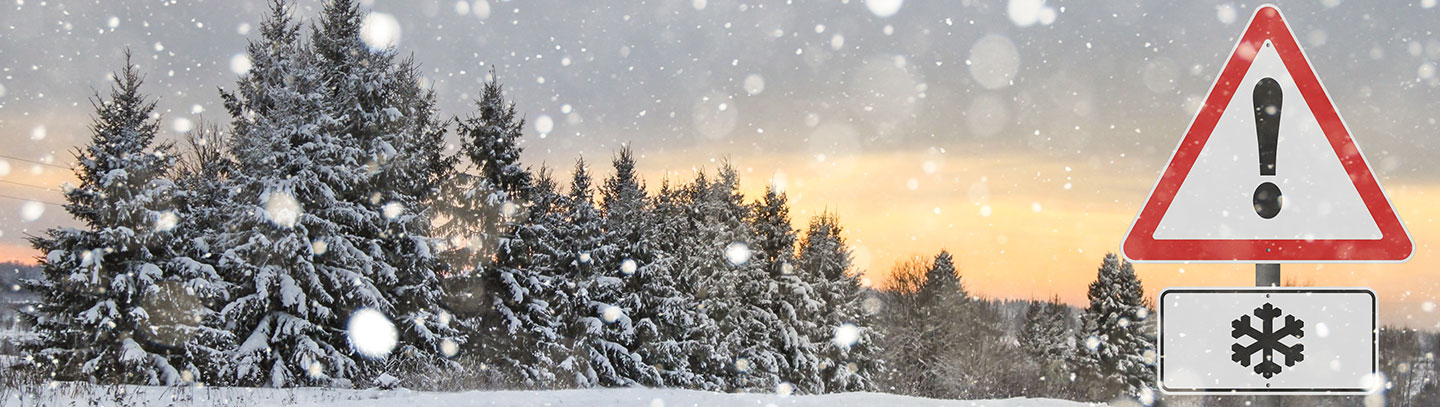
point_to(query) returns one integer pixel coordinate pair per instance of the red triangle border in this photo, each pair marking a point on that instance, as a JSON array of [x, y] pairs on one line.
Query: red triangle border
[[1393, 246]]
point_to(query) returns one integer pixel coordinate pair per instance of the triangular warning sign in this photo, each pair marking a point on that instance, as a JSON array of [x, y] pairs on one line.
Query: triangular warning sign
[[1267, 172]]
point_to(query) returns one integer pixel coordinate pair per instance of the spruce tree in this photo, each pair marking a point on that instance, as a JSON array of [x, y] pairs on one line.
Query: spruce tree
[[844, 333], [292, 251], [120, 302], [1116, 347], [600, 329], [677, 340], [736, 288], [381, 107], [1047, 340], [478, 203], [795, 303], [629, 255], [496, 277], [944, 308]]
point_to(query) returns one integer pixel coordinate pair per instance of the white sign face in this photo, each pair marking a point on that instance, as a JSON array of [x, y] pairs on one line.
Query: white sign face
[[1268, 340], [1319, 200]]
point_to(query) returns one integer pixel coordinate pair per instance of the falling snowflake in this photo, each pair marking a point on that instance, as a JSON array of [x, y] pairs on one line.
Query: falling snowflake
[[611, 313], [371, 333], [282, 209], [737, 253], [1267, 340], [392, 210], [627, 267], [31, 210], [449, 348], [846, 335], [166, 221], [784, 389], [742, 365]]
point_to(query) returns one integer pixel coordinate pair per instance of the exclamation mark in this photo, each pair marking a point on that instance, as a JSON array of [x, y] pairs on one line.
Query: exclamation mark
[[1267, 130]]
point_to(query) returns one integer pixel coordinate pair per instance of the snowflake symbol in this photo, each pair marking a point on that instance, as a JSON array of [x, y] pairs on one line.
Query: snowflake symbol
[[1267, 340]]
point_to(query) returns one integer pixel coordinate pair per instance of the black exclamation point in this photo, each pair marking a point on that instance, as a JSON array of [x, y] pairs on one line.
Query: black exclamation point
[[1267, 130]]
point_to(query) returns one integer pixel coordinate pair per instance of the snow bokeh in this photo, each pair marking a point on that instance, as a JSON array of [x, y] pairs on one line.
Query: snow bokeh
[[371, 333], [884, 8], [611, 313], [240, 63], [846, 335], [737, 253], [380, 31], [994, 61], [282, 209], [166, 221], [627, 267], [31, 211]]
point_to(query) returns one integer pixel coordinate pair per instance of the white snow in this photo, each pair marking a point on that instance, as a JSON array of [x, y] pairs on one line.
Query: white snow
[[240, 63], [31, 210], [754, 84], [994, 61], [884, 8], [627, 267], [380, 30], [1225, 13], [544, 124], [181, 125], [80, 394], [38, 133], [737, 253], [282, 209], [846, 335], [371, 333], [166, 221], [611, 314], [1025, 13], [392, 210]]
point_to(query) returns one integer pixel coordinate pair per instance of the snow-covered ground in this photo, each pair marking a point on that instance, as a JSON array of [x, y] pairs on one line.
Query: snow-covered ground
[[162, 396]]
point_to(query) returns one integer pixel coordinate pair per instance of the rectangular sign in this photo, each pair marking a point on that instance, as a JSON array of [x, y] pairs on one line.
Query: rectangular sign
[[1268, 340]]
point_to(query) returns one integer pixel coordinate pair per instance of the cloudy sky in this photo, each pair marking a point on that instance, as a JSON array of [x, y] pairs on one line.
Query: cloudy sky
[[1022, 136]]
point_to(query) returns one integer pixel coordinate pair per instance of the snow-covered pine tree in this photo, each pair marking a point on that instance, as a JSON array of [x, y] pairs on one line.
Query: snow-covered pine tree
[[479, 202], [291, 250], [1046, 335], [203, 175], [736, 289], [1047, 340], [678, 342], [795, 303], [1115, 355], [943, 301], [628, 253], [382, 108], [598, 330], [492, 217], [844, 334], [120, 301]]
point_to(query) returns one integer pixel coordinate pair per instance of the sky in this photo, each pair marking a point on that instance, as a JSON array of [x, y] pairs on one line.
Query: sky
[[1022, 136]]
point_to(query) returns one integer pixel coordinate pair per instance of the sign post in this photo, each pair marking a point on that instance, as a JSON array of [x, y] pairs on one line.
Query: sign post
[[1267, 173]]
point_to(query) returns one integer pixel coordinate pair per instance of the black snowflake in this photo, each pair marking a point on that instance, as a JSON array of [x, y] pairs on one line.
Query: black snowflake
[[1267, 340]]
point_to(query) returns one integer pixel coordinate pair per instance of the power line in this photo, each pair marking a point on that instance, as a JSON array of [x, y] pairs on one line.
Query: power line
[[28, 185], [32, 200], [34, 162]]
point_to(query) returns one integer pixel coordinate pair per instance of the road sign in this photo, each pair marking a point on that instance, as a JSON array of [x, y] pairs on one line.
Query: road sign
[[1293, 340], [1267, 172]]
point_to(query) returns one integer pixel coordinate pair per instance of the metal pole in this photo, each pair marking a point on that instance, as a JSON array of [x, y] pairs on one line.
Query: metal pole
[[1267, 275]]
